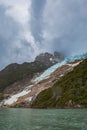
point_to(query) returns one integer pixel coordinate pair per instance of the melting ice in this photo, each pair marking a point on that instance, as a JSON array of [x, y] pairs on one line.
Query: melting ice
[[54, 67]]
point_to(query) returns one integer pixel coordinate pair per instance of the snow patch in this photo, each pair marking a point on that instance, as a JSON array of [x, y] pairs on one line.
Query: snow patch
[[29, 99], [51, 59], [29, 87], [73, 65], [61, 75], [15, 97]]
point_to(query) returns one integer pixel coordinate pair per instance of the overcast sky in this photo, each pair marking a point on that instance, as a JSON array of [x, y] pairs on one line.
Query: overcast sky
[[29, 27]]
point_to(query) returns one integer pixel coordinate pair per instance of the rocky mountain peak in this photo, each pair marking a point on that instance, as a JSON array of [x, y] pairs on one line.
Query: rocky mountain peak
[[21, 72], [49, 59]]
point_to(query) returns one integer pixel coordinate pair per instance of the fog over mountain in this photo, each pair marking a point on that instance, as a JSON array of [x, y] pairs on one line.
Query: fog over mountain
[[29, 27]]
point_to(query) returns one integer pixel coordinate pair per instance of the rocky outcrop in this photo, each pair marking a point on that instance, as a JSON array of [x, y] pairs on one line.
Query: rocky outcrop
[[49, 59]]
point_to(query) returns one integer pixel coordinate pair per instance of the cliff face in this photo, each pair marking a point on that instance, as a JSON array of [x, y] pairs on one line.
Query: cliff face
[[49, 59]]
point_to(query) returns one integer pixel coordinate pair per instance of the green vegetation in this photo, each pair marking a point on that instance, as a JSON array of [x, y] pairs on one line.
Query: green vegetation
[[72, 87]]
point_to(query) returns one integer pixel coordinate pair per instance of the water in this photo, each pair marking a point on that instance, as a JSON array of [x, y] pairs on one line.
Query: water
[[38, 119]]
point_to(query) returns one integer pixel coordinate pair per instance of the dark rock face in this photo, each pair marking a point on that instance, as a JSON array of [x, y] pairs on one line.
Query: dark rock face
[[14, 73], [21, 73], [49, 59], [58, 57]]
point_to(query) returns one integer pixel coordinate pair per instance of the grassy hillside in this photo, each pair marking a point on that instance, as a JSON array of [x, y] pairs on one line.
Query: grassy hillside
[[69, 91]]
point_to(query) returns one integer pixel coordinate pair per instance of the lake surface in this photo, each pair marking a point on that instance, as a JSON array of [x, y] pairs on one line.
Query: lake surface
[[38, 119]]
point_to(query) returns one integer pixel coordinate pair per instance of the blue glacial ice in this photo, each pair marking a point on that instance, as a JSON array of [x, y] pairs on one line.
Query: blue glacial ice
[[50, 70]]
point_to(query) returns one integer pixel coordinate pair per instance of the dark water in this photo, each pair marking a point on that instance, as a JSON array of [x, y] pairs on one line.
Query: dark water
[[35, 119]]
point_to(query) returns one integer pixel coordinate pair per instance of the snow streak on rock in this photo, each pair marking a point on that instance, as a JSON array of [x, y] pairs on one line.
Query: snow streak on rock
[[15, 97]]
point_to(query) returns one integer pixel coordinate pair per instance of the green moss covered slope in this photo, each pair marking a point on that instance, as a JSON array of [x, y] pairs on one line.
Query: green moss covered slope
[[69, 91]]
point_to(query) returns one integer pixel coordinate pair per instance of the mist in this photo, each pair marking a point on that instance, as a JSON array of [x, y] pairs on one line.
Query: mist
[[29, 27]]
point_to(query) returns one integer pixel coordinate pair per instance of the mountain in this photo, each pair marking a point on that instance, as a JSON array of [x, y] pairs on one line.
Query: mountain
[[56, 87], [16, 76], [70, 91], [49, 59]]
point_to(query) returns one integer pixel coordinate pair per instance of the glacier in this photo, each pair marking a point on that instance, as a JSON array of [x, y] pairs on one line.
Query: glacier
[[50, 70]]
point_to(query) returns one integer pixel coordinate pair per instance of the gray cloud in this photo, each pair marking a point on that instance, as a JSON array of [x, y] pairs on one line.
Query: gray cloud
[[66, 25], [32, 26], [37, 24]]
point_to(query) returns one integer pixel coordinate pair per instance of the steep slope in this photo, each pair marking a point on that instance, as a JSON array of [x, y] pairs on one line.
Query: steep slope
[[38, 92], [27, 95], [16, 72], [15, 77], [57, 65], [68, 92]]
